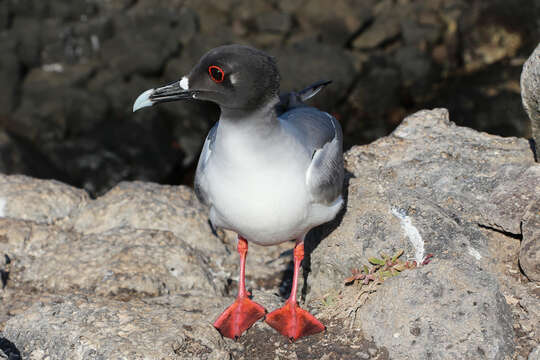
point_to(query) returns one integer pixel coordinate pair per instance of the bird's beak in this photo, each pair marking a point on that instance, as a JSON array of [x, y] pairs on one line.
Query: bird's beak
[[177, 90]]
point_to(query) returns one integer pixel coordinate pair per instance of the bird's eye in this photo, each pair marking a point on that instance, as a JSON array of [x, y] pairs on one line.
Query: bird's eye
[[216, 73]]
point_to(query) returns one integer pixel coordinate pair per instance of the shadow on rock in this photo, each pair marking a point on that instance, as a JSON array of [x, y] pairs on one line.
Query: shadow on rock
[[318, 234], [9, 349]]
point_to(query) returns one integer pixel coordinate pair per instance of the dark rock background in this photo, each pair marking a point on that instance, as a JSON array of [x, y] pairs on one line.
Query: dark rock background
[[71, 70]]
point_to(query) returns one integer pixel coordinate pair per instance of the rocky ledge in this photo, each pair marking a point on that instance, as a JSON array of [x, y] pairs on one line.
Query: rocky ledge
[[138, 273]]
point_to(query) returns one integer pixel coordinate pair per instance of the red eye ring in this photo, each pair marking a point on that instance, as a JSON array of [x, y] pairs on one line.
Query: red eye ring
[[212, 69]]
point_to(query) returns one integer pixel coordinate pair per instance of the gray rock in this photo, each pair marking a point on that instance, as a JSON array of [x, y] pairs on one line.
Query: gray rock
[[423, 189], [41, 201], [440, 311], [535, 354], [141, 205], [417, 70], [529, 254], [513, 207], [335, 26], [420, 189], [123, 263], [530, 94], [274, 21], [383, 30], [508, 203], [76, 327]]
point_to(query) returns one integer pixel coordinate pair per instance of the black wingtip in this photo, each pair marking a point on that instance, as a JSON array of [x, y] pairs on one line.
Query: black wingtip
[[312, 90]]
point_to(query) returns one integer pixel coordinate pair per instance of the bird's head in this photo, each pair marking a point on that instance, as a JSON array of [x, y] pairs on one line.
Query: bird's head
[[235, 77]]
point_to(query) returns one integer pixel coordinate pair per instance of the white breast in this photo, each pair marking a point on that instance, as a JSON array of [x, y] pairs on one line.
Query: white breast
[[263, 198], [256, 183]]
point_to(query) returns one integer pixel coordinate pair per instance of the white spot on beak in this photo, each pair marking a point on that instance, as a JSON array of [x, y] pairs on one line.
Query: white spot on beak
[[233, 79], [184, 83], [143, 100]]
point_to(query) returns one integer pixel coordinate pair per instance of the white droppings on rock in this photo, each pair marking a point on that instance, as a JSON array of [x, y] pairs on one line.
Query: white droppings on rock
[[474, 253], [3, 203], [412, 233]]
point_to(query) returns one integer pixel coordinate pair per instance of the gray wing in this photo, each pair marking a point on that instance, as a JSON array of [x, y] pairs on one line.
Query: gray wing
[[322, 136], [206, 152]]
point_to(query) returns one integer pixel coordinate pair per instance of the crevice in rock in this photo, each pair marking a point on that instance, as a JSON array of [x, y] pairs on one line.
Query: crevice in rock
[[532, 145], [364, 27], [505, 233], [9, 349], [521, 270]]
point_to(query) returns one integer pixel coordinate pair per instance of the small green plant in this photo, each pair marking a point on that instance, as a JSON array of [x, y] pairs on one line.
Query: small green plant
[[383, 268]]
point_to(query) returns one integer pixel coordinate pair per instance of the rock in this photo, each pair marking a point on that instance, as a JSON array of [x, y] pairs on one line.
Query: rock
[[18, 156], [535, 354], [134, 45], [420, 189], [123, 263], [491, 42], [417, 70], [53, 103], [81, 327], [460, 307], [508, 203], [529, 254], [530, 95], [41, 201], [383, 30], [274, 22], [335, 26], [513, 207], [415, 33], [27, 32], [377, 91], [139, 270], [326, 62], [10, 74], [141, 205]]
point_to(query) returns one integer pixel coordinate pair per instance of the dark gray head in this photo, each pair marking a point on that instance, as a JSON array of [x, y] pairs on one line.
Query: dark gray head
[[235, 77]]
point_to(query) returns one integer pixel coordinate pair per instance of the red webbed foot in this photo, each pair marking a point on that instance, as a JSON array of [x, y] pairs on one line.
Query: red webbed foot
[[239, 317], [294, 322]]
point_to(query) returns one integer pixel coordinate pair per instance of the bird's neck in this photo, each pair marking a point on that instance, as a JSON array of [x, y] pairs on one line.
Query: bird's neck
[[248, 130], [260, 122]]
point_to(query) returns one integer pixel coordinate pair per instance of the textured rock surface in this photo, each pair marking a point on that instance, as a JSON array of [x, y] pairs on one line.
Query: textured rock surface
[[529, 255], [149, 206], [124, 262], [38, 200], [77, 327], [405, 315], [530, 94], [420, 189], [139, 273]]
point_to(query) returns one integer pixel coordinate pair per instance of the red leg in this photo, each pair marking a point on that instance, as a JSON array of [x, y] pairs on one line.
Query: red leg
[[243, 313], [291, 320]]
